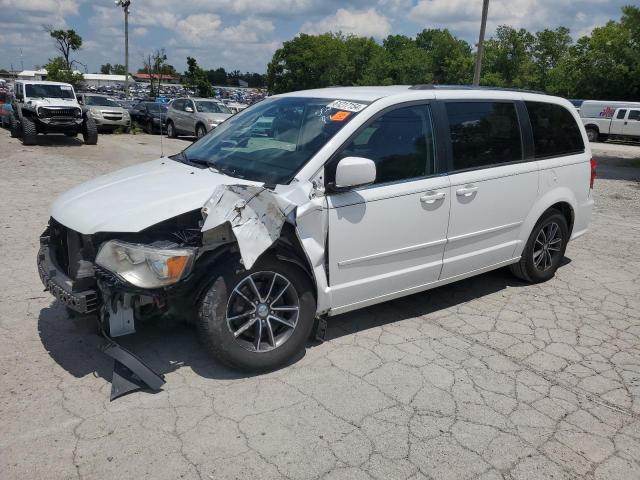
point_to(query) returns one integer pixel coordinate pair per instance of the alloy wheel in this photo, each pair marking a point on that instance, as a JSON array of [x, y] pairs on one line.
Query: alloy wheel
[[547, 247], [263, 311]]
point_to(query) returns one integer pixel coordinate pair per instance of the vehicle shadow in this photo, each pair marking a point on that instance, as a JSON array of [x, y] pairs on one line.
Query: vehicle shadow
[[623, 171], [74, 343], [424, 303], [59, 141]]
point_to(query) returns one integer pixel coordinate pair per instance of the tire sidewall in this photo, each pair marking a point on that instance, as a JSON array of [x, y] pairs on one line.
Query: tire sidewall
[[89, 131], [532, 272], [29, 131], [212, 323]]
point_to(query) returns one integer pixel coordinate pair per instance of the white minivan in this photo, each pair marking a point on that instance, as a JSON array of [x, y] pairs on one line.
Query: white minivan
[[320, 202]]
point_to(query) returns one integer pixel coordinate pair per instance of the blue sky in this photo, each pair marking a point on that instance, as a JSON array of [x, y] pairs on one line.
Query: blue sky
[[243, 34]]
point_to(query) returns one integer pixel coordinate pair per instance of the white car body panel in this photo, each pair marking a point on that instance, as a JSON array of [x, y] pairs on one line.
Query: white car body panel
[[386, 238], [483, 229], [383, 240]]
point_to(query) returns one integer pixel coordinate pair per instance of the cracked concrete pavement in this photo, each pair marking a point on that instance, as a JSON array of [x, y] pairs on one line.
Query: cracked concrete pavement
[[488, 378]]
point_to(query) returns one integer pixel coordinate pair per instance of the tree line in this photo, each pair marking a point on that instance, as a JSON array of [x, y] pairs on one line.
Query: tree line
[[602, 65]]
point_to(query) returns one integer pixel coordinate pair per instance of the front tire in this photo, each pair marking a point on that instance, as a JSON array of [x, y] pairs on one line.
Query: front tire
[[90, 131], [29, 132], [200, 131], [257, 320], [544, 250]]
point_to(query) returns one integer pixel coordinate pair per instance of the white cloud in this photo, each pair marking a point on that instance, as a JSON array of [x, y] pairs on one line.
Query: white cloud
[[60, 7], [368, 23]]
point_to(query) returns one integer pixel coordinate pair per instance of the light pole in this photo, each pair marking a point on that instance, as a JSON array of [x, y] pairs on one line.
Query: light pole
[[125, 6], [483, 26]]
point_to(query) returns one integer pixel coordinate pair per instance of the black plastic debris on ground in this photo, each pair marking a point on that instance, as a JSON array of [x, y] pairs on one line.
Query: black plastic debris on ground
[[129, 372]]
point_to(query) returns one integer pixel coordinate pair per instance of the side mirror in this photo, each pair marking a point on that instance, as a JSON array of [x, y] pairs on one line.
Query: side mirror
[[355, 172], [188, 109]]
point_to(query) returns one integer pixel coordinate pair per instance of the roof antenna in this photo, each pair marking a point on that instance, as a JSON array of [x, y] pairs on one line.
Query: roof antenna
[[161, 134]]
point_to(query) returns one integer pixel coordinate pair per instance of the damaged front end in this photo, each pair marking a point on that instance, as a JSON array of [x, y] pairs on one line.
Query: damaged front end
[[127, 278]]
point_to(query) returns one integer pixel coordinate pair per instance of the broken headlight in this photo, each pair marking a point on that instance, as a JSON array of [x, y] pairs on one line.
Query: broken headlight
[[146, 266]]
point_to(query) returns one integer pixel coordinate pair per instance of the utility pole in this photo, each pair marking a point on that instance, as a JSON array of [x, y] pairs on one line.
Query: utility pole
[[125, 6], [483, 27]]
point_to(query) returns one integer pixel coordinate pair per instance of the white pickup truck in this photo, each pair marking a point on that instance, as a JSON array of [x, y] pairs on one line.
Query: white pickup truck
[[624, 123]]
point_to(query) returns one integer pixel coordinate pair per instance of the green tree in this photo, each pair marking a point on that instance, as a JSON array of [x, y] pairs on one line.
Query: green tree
[[106, 69], [66, 41], [155, 64], [57, 71], [508, 58], [307, 61], [196, 78], [550, 47], [217, 76], [450, 59], [118, 69]]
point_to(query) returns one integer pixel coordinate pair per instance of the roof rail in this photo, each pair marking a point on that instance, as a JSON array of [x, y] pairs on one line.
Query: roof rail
[[471, 87]]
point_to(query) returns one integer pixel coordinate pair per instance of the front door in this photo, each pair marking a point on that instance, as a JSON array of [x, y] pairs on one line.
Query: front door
[[632, 125], [492, 190], [618, 122], [388, 238]]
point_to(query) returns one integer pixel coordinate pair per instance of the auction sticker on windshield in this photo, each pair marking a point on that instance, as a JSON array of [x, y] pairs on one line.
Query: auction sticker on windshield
[[345, 105]]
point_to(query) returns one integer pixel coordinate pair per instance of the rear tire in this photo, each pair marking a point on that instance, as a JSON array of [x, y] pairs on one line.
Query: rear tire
[[29, 132], [15, 126], [544, 250], [171, 130], [592, 134], [90, 131], [266, 343]]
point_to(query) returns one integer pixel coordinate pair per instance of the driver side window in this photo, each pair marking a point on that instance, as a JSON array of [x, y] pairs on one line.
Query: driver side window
[[400, 142]]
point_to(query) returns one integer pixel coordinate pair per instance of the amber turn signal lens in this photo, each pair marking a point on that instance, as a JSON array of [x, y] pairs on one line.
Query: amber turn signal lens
[[175, 266]]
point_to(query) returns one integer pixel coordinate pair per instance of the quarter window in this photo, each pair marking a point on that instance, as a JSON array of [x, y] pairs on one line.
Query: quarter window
[[400, 142], [483, 134], [555, 131]]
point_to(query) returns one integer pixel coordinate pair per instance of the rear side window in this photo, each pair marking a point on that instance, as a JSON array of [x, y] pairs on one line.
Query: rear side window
[[483, 134], [555, 131], [621, 114], [634, 115]]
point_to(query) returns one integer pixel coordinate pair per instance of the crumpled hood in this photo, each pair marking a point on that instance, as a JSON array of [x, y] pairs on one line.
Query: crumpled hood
[[137, 197]]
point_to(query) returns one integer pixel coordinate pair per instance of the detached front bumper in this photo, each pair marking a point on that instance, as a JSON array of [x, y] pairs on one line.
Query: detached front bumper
[[59, 284]]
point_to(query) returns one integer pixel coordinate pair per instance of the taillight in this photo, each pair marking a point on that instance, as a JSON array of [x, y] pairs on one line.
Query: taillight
[[594, 172]]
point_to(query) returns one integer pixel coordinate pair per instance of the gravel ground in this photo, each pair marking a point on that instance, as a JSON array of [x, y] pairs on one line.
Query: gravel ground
[[488, 378]]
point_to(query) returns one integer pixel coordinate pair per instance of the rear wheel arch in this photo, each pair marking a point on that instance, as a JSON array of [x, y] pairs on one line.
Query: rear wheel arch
[[561, 199], [567, 211]]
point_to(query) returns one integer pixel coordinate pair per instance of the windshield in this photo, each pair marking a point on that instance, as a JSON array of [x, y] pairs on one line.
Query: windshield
[[44, 90], [270, 141], [211, 107], [156, 107], [99, 101]]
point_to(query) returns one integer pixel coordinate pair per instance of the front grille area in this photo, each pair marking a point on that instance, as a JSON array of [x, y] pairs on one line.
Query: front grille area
[[109, 115], [51, 112], [74, 253]]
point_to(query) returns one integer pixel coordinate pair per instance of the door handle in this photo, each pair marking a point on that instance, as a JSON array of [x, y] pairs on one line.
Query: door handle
[[432, 197], [466, 191]]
